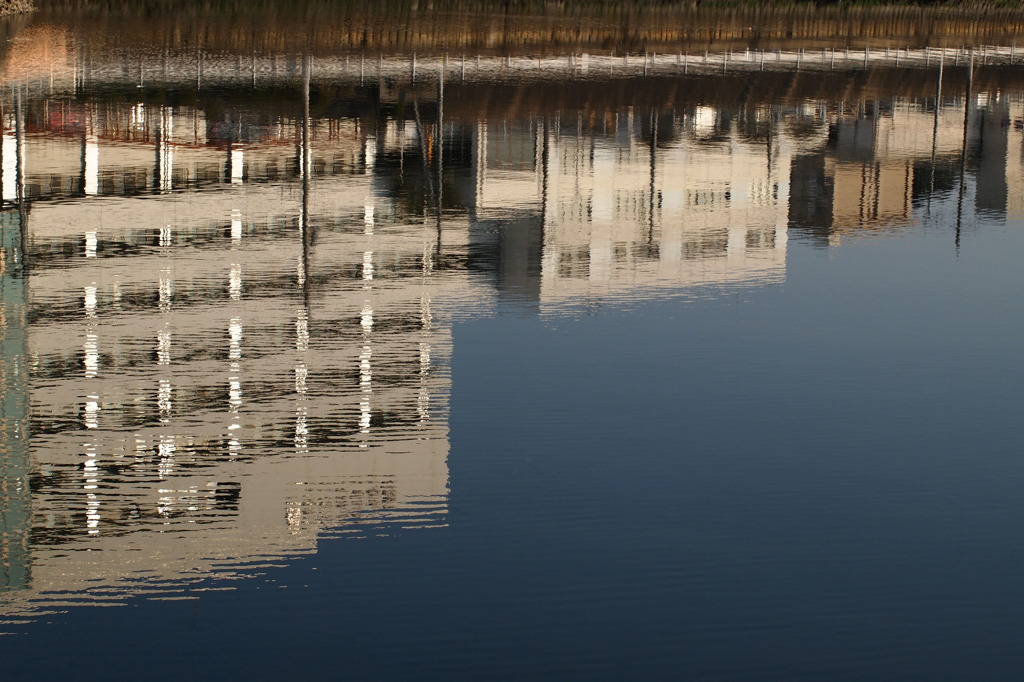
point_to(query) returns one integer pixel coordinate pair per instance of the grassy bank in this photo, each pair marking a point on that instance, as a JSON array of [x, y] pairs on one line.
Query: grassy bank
[[529, 7], [529, 26]]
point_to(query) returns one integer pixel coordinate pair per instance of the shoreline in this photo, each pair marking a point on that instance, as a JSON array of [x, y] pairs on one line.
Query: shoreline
[[458, 26]]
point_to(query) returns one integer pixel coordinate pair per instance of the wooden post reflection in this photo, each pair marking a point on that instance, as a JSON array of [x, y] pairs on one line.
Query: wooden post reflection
[[305, 160], [935, 131], [19, 174], [439, 150], [651, 189], [963, 151]]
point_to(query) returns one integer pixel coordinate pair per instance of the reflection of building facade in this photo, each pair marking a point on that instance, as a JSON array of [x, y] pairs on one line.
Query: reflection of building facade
[[614, 209], [219, 322], [238, 366], [876, 166], [689, 201], [232, 337]]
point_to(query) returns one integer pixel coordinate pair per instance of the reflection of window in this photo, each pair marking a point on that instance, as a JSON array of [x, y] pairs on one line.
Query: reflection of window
[[511, 146], [707, 246], [574, 263], [706, 197], [761, 238]]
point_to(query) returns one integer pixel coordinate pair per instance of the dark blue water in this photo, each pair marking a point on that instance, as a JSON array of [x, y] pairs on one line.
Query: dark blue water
[[816, 479]]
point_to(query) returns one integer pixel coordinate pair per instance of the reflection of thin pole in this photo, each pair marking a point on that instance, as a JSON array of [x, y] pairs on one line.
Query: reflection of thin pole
[[83, 161], [19, 178], [545, 157], [654, 149], [963, 151], [228, 164], [439, 147], [157, 140], [935, 132], [423, 150], [305, 160]]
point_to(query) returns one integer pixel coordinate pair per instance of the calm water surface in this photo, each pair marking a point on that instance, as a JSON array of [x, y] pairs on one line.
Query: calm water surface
[[589, 364]]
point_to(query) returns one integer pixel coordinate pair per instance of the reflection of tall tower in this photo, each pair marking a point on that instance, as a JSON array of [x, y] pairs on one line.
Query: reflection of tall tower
[[993, 125], [15, 501], [508, 166], [810, 205]]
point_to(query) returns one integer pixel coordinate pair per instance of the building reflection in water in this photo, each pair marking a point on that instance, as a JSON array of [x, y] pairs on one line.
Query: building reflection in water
[[226, 314]]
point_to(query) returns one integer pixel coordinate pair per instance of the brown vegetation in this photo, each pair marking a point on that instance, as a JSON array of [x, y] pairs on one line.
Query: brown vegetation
[[16, 7], [521, 27]]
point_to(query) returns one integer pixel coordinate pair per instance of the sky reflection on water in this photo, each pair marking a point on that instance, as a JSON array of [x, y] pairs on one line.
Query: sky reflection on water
[[627, 375]]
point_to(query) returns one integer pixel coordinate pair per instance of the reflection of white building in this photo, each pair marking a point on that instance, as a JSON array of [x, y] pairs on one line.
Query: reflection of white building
[[623, 216], [233, 348], [221, 373], [873, 169], [229, 344], [881, 161], [1015, 159]]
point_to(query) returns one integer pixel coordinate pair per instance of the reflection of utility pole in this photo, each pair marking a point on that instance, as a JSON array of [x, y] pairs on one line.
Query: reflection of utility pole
[[650, 204], [83, 162], [545, 157], [963, 151], [935, 132], [158, 144], [424, 153], [199, 70], [546, 249], [306, 161], [19, 134], [439, 151]]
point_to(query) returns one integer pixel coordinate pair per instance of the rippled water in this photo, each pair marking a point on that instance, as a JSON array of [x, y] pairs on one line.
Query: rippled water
[[574, 364]]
